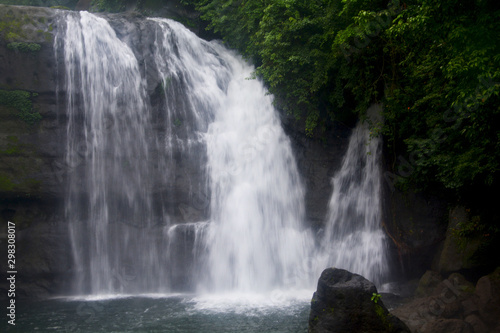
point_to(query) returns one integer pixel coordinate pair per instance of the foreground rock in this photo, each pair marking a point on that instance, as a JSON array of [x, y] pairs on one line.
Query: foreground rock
[[343, 303]]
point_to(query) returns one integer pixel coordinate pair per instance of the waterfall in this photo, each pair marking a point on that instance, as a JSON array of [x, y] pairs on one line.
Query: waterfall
[[122, 156], [109, 202], [209, 119], [256, 241], [180, 176], [353, 236]]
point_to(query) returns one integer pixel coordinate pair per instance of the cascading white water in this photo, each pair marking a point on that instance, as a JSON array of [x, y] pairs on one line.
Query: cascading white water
[[214, 119], [109, 202], [353, 236], [256, 241], [194, 78]]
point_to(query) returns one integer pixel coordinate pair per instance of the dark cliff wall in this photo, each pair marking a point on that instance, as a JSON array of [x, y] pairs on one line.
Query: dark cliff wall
[[31, 149]]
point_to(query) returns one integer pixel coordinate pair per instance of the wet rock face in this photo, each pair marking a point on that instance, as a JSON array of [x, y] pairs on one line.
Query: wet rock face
[[416, 223], [317, 161], [33, 156], [345, 302], [42, 75], [33, 166]]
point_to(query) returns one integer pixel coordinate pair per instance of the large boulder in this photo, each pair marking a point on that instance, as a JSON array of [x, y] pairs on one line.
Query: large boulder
[[347, 302], [427, 283], [456, 254]]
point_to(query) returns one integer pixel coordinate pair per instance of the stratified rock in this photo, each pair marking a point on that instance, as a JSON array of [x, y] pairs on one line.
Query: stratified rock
[[343, 303]]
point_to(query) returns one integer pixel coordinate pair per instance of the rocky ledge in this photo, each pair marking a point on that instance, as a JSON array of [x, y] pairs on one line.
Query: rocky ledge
[[453, 305]]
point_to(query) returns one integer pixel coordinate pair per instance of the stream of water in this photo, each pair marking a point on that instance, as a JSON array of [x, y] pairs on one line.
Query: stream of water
[[353, 238]]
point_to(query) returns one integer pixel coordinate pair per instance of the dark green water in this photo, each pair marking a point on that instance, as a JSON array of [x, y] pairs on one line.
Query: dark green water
[[181, 313]]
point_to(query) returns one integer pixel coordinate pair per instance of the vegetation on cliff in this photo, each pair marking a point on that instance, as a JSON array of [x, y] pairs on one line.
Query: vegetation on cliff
[[21, 102], [435, 66]]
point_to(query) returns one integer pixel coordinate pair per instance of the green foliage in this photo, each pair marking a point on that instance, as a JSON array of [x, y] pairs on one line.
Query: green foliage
[[21, 31], [22, 102], [24, 47], [384, 317], [375, 298], [6, 183], [29, 186], [299, 49], [20, 166], [112, 6], [434, 65], [475, 228], [443, 105], [13, 146]]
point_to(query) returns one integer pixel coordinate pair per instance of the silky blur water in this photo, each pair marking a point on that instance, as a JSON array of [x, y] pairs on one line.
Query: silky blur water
[[353, 238], [254, 240], [108, 204]]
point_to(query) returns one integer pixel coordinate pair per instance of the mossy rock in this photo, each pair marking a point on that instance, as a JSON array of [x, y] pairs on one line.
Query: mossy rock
[[26, 24], [19, 166], [22, 102], [457, 252]]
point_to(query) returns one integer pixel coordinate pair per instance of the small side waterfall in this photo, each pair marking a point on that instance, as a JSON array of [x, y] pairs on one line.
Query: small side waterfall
[[353, 236]]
